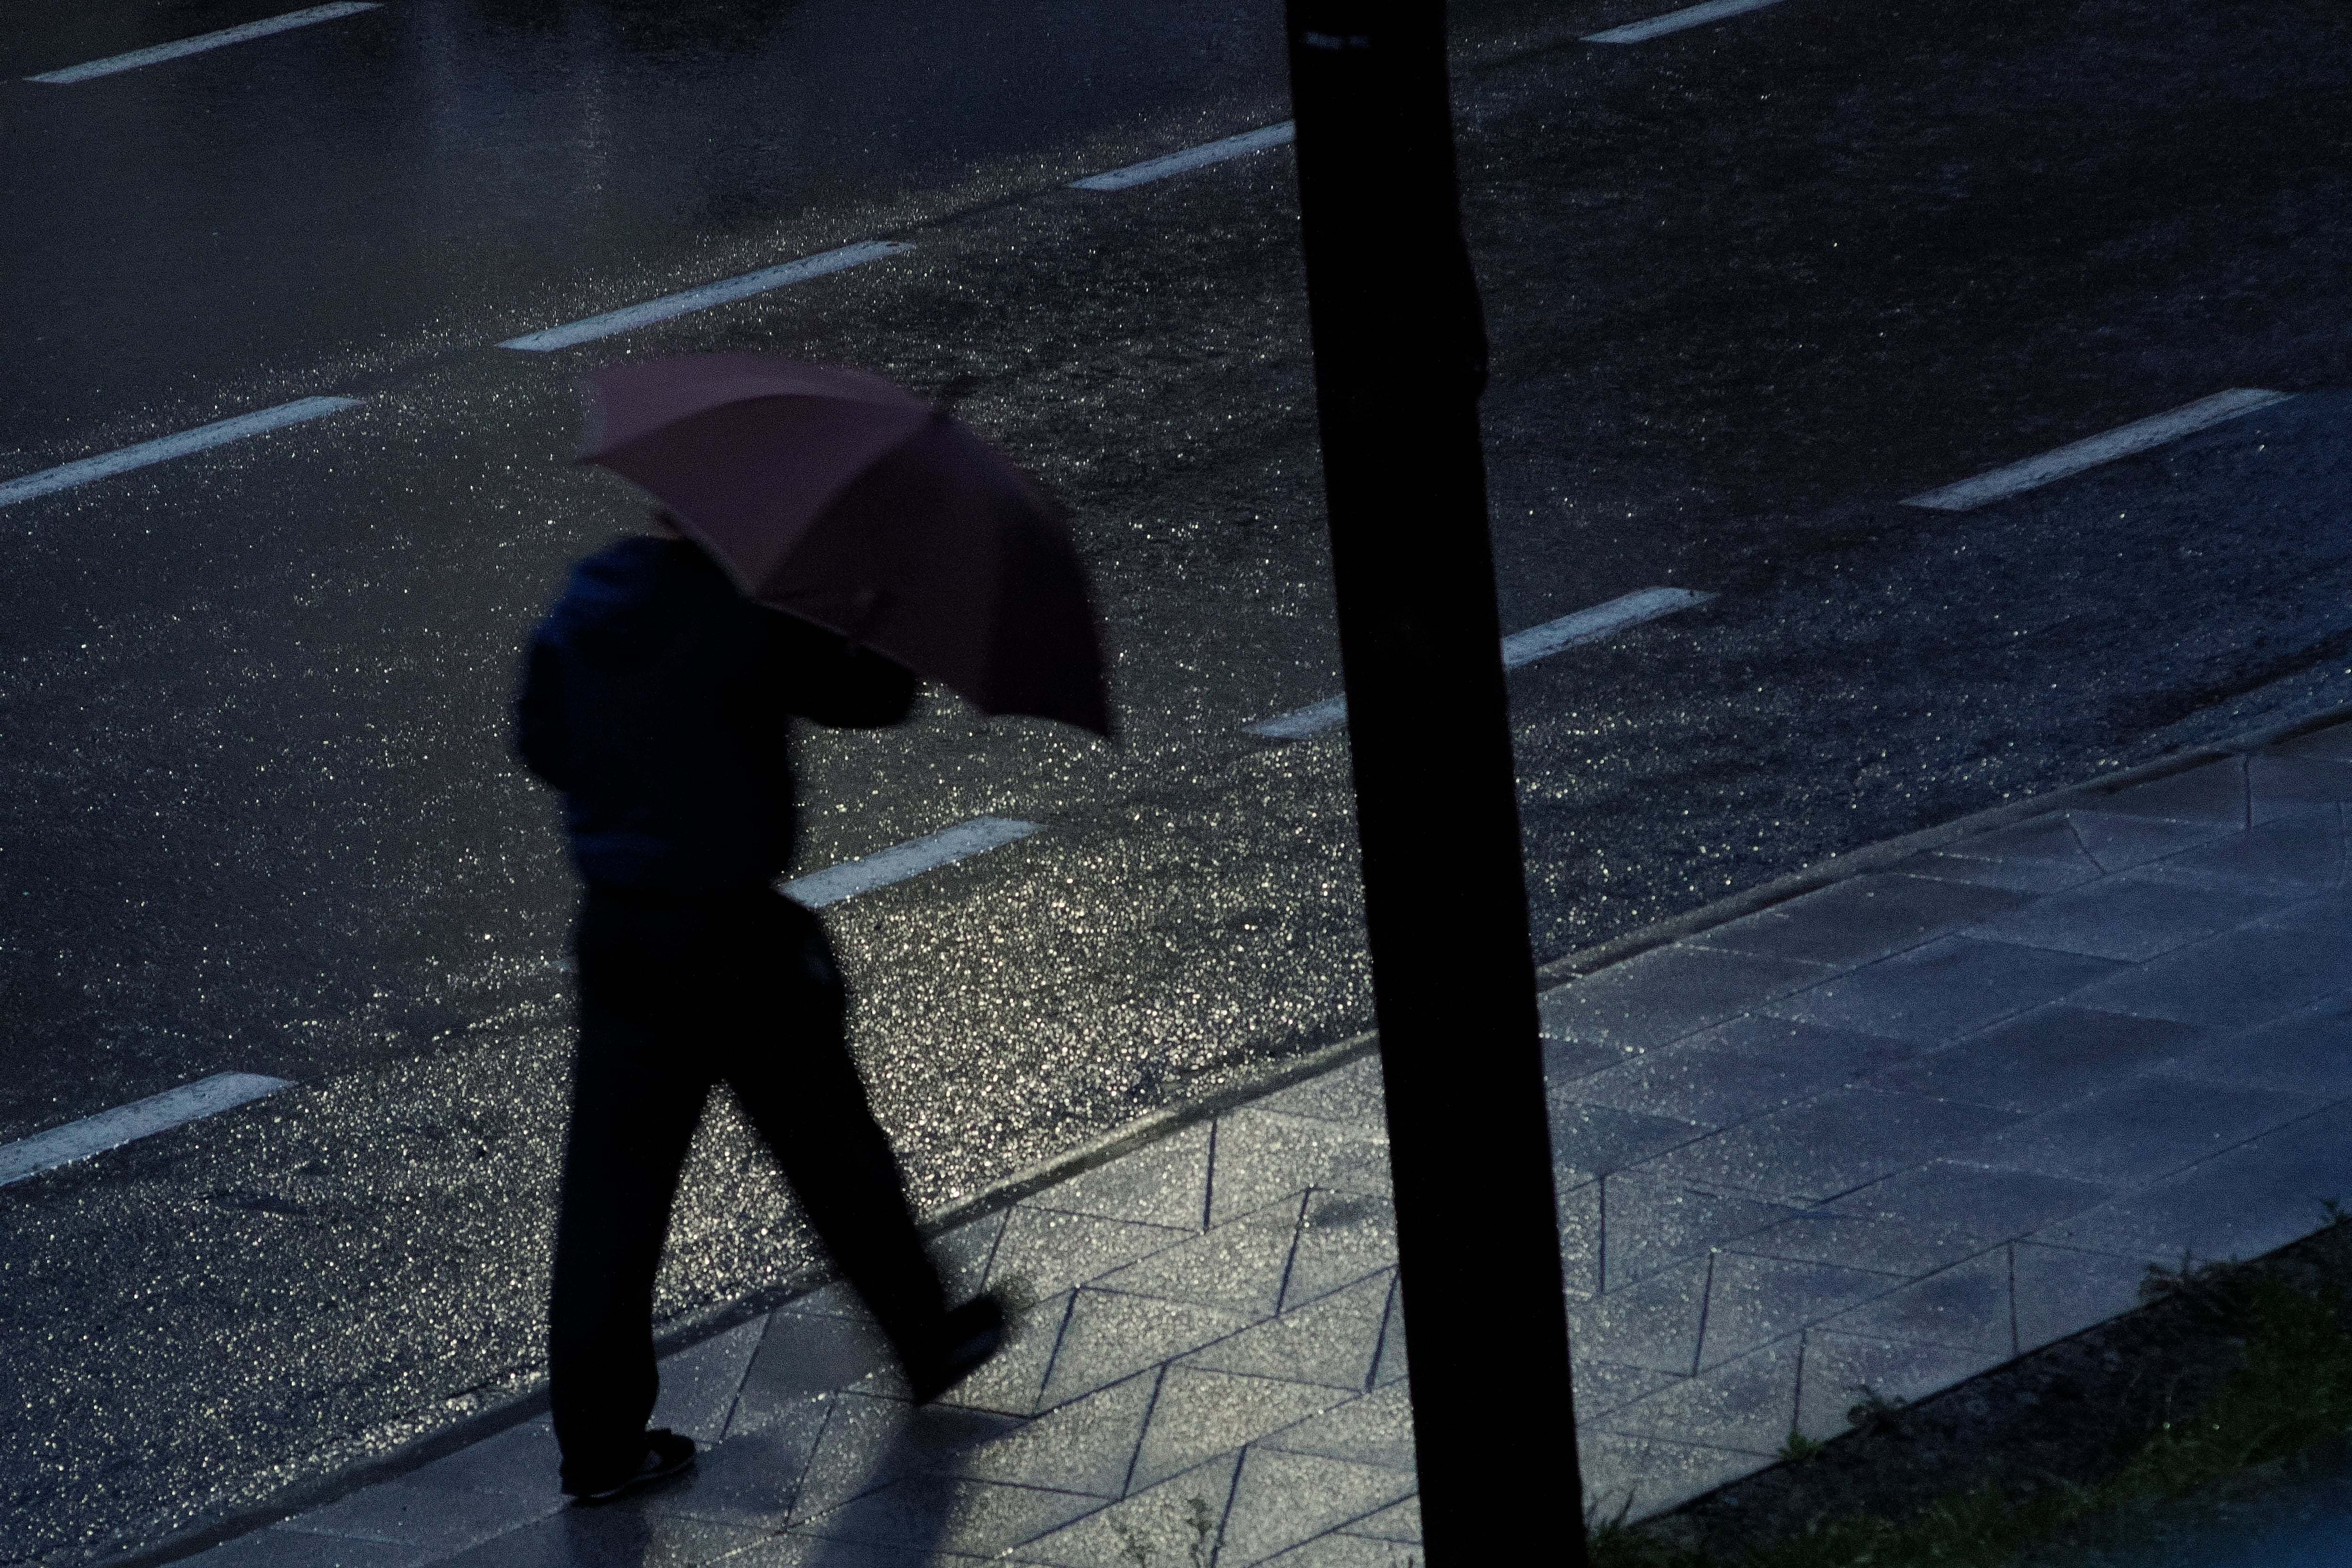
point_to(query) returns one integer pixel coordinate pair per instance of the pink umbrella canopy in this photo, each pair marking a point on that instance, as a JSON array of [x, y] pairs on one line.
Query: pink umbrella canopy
[[839, 498]]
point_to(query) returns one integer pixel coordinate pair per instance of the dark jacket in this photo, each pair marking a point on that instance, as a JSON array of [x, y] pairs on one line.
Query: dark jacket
[[660, 702]]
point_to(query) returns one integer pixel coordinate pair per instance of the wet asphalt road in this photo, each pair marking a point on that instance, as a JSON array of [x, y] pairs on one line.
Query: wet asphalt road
[[1749, 285]]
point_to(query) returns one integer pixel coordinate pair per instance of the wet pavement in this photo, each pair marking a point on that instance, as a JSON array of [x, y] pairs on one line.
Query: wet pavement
[[1865, 1143], [1750, 288]]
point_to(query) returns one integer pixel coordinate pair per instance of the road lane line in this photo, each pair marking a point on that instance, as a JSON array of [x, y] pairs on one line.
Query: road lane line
[[1675, 21], [1600, 622], [725, 291], [163, 449], [28, 1157], [913, 858], [1192, 158], [2139, 436], [203, 41]]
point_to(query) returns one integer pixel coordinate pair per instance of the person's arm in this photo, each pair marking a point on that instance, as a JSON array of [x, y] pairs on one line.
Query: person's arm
[[826, 680], [539, 713]]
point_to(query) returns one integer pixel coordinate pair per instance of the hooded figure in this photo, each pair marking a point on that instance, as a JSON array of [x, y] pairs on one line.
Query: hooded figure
[[660, 702]]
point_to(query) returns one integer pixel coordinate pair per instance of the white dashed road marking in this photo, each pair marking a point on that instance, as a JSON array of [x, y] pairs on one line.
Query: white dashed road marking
[[913, 858], [112, 1128], [163, 449], [724, 292], [2154, 431], [203, 41], [1192, 158], [1675, 21], [1600, 622]]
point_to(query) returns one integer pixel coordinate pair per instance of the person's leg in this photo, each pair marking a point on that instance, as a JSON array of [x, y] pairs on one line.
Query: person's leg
[[788, 1060], [636, 1096]]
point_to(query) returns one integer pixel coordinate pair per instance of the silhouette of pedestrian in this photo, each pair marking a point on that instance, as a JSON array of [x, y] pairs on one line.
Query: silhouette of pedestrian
[[660, 702]]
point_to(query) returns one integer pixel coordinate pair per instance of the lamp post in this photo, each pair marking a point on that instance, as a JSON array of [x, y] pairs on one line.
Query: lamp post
[[1399, 361]]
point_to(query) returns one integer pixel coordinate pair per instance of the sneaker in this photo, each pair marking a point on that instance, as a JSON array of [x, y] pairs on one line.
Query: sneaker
[[667, 1454], [974, 1331]]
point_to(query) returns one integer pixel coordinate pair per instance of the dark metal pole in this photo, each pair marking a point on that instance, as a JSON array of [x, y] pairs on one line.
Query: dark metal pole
[[1400, 361]]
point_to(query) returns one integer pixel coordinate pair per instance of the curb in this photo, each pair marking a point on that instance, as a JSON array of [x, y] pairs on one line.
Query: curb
[[530, 1400]]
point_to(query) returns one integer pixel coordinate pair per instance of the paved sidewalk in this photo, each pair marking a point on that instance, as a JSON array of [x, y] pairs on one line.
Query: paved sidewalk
[[1890, 1133]]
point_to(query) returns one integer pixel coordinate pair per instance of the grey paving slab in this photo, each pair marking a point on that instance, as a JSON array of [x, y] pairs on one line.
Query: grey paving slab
[[948, 1513], [1014, 1379], [1994, 1205], [801, 1356], [1342, 1238], [2118, 842], [1165, 1523], [2335, 742], [698, 1384], [2049, 841], [754, 1480], [2284, 785], [2139, 1130], [1281, 1498], [1667, 993], [1166, 1183], [1086, 1446], [1044, 1251], [1240, 1266], [437, 1522], [1854, 1241], [1591, 1140], [1260, 1157], [2060, 1292], [2130, 916], [291, 1548], [1199, 1413], [963, 1255], [1953, 986], [1374, 1428], [1967, 1307], [1699, 1081], [2046, 1058], [1605, 1385], [1652, 1323], [1827, 1146], [1398, 1521], [1652, 1225], [1565, 1061], [1579, 1207], [2254, 1198], [1863, 917], [2295, 851], [1844, 1054], [862, 1445], [1632, 1478], [1345, 1549], [2214, 792], [2239, 979], [607, 1538], [2309, 1052], [1110, 1336], [1332, 1341], [1842, 1371], [1752, 1302], [1390, 1365], [2024, 876], [1748, 1402], [520, 1459], [816, 1551], [1348, 1094]]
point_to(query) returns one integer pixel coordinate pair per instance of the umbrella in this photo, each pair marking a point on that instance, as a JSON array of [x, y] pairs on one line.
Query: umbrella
[[839, 498]]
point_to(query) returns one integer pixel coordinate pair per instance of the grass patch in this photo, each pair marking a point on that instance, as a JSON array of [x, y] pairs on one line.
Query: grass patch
[[2284, 1401]]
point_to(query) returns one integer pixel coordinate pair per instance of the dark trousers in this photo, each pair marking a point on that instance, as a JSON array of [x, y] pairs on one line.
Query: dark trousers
[[677, 994]]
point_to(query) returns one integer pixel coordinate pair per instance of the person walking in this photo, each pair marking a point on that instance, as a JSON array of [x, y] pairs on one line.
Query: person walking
[[660, 702]]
